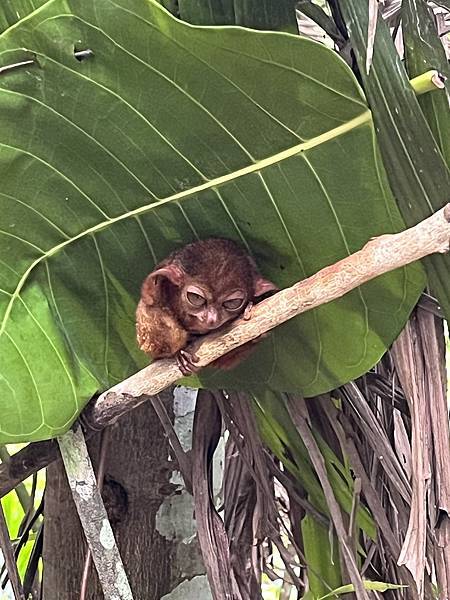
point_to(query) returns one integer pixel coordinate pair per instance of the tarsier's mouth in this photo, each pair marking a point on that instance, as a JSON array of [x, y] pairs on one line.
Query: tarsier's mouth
[[200, 328]]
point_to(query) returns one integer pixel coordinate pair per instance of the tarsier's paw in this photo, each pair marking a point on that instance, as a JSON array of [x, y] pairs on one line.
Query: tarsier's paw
[[186, 362]]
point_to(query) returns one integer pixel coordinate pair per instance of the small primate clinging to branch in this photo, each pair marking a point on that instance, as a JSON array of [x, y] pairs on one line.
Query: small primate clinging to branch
[[194, 291]]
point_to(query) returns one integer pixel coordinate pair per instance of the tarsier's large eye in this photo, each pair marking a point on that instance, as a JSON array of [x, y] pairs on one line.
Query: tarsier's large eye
[[195, 299], [234, 303]]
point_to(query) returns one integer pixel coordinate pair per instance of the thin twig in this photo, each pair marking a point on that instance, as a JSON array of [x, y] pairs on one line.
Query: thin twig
[[352, 526], [184, 463], [299, 415], [10, 561]]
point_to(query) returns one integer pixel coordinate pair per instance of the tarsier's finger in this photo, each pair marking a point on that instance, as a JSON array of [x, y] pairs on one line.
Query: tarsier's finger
[[191, 357], [184, 368], [248, 312], [185, 362]]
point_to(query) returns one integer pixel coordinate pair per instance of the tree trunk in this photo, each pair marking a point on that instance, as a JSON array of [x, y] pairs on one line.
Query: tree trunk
[[140, 499]]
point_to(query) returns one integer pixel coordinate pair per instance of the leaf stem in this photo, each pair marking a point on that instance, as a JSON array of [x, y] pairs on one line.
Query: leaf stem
[[428, 82]]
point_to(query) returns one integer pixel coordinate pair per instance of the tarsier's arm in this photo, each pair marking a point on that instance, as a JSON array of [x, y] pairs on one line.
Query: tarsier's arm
[[158, 331], [159, 334]]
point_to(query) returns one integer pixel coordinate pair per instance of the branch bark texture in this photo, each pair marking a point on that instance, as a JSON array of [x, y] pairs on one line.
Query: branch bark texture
[[379, 255], [93, 517]]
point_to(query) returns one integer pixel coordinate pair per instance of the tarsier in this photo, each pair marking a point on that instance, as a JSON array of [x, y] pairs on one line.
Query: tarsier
[[194, 291]]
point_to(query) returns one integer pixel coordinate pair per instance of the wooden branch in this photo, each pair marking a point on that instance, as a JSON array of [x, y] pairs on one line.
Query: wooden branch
[[378, 256], [93, 517]]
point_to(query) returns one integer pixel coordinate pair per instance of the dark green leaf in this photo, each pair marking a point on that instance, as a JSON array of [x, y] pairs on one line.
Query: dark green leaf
[[322, 557], [11, 11], [417, 172], [171, 6], [258, 14], [423, 52], [319, 16]]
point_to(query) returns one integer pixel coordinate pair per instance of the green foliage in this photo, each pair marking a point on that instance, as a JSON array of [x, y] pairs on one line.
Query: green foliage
[[12, 12], [417, 171], [259, 14], [424, 50], [14, 513], [164, 136], [376, 586], [322, 557]]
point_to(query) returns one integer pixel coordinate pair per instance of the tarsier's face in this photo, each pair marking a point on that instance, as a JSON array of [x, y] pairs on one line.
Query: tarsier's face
[[207, 311]]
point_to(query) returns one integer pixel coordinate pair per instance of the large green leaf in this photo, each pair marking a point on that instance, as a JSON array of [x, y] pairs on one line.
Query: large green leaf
[[170, 133]]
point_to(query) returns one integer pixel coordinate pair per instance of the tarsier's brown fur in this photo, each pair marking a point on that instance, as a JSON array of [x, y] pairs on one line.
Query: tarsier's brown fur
[[195, 290]]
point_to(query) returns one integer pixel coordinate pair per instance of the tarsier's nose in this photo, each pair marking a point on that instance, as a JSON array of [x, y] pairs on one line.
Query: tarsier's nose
[[211, 317]]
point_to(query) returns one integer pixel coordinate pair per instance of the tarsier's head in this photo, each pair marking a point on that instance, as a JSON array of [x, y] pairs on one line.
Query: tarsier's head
[[210, 282]]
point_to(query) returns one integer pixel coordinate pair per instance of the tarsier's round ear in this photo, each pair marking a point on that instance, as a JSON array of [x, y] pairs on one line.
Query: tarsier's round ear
[[172, 272], [150, 290], [264, 286]]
